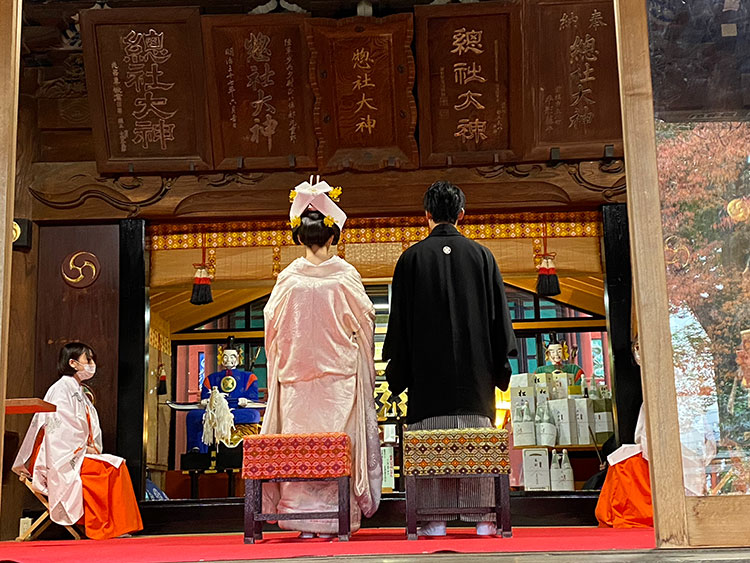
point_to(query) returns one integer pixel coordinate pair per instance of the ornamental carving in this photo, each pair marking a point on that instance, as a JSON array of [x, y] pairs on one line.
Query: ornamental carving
[[80, 269]]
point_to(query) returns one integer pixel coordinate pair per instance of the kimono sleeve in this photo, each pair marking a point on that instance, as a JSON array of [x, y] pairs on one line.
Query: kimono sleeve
[[503, 337], [397, 338], [361, 305]]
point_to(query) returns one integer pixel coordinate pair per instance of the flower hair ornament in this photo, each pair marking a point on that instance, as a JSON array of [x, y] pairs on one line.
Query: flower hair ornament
[[319, 196]]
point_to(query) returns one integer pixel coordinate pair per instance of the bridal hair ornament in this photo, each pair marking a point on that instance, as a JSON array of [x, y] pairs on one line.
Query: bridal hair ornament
[[319, 196]]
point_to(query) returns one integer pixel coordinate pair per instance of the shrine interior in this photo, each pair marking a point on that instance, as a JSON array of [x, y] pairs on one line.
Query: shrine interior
[[155, 136]]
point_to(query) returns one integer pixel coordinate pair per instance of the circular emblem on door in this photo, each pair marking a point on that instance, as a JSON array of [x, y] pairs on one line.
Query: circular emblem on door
[[228, 384], [80, 269], [446, 250], [16, 231]]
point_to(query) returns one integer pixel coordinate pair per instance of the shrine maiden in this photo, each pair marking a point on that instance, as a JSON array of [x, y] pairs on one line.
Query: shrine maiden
[[62, 456]]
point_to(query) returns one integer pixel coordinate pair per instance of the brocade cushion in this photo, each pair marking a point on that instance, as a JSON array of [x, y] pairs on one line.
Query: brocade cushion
[[311, 456], [466, 451]]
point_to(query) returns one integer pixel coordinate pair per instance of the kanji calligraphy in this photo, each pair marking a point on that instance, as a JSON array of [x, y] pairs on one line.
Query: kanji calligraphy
[[147, 91]]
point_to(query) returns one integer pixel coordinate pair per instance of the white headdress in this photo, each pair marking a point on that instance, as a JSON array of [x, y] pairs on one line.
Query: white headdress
[[321, 197]]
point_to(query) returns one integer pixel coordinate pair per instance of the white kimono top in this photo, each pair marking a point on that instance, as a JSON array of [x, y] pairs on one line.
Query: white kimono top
[[67, 432], [319, 330]]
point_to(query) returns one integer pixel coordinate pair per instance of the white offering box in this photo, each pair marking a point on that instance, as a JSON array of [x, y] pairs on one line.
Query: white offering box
[[520, 394], [542, 396], [546, 434], [542, 380], [604, 424], [522, 380], [389, 434], [524, 433], [536, 469], [559, 385], [564, 414], [585, 420], [561, 478]]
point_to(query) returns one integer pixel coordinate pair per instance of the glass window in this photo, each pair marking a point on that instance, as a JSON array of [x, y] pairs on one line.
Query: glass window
[[527, 306], [699, 64]]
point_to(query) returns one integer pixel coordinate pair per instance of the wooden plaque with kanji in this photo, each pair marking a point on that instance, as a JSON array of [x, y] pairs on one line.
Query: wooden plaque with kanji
[[469, 79], [144, 72], [259, 93], [362, 74], [572, 80]]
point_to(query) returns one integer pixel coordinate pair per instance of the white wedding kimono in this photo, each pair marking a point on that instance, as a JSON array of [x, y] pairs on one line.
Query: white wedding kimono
[[67, 431], [319, 327]]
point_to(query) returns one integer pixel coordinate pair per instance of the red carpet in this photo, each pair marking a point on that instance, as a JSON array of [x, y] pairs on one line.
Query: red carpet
[[225, 547]]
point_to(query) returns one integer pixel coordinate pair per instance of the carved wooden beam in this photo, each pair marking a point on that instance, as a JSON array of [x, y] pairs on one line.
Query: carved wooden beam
[[59, 188]]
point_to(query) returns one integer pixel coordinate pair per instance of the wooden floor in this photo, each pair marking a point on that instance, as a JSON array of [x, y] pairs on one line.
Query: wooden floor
[[656, 556]]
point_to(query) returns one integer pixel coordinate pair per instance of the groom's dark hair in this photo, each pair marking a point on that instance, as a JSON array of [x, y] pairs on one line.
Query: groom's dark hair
[[444, 201]]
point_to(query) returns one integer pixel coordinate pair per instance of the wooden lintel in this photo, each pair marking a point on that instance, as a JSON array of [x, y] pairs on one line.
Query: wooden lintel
[[60, 187]]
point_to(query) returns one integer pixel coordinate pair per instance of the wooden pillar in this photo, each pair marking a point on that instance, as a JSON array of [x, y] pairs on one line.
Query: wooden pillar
[[132, 366], [649, 276], [10, 56], [626, 374]]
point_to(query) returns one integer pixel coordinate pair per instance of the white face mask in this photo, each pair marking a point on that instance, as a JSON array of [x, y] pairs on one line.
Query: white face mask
[[230, 360], [87, 372]]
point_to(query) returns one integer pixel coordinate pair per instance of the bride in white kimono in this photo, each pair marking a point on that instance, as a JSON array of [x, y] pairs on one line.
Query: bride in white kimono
[[319, 326]]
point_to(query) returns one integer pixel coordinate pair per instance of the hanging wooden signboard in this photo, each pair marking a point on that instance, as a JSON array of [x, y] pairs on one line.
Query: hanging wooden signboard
[[362, 75], [469, 78], [259, 93], [572, 80], [144, 72]]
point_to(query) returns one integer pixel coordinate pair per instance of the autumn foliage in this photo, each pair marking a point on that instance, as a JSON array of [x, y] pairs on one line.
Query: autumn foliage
[[704, 178]]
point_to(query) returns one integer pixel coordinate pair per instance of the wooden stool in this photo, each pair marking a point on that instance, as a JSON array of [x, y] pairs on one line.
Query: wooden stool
[[274, 458], [43, 522], [464, 453]]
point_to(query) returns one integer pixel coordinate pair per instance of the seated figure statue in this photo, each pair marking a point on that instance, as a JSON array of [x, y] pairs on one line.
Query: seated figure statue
[[556, 354], [240, 387]]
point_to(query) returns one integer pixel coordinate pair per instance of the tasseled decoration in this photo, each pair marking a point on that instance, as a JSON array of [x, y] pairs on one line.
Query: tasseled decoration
[[218, 422], [161, 372], [201, 284], [547, 284], [162, 389]]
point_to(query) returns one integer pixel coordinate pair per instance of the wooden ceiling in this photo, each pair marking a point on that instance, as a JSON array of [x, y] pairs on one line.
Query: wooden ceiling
[[174, 306], [585, 292]]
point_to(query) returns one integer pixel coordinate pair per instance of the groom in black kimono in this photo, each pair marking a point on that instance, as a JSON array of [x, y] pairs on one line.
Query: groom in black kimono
[[448, 341]]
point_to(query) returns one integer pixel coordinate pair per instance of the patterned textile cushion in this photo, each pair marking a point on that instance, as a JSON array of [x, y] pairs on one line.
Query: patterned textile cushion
[[312, 456], [468, 451]]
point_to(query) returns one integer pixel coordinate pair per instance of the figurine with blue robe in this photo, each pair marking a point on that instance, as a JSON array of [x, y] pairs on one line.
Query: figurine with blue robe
[[240, 388]]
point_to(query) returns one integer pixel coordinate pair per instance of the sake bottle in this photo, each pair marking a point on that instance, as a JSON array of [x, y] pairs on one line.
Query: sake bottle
[[567, 472], [554, 461], [555, 472], [526, 412]]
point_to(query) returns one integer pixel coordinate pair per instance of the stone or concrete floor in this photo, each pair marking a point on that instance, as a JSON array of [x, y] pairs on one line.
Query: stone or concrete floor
[[657, 556]]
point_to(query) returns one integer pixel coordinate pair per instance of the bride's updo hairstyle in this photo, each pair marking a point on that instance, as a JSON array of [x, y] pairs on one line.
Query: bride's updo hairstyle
[[312, 230]]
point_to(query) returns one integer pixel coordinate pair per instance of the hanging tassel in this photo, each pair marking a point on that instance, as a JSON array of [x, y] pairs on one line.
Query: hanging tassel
[[162, 389], [547, 283], [201, 283], [162, 371]]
